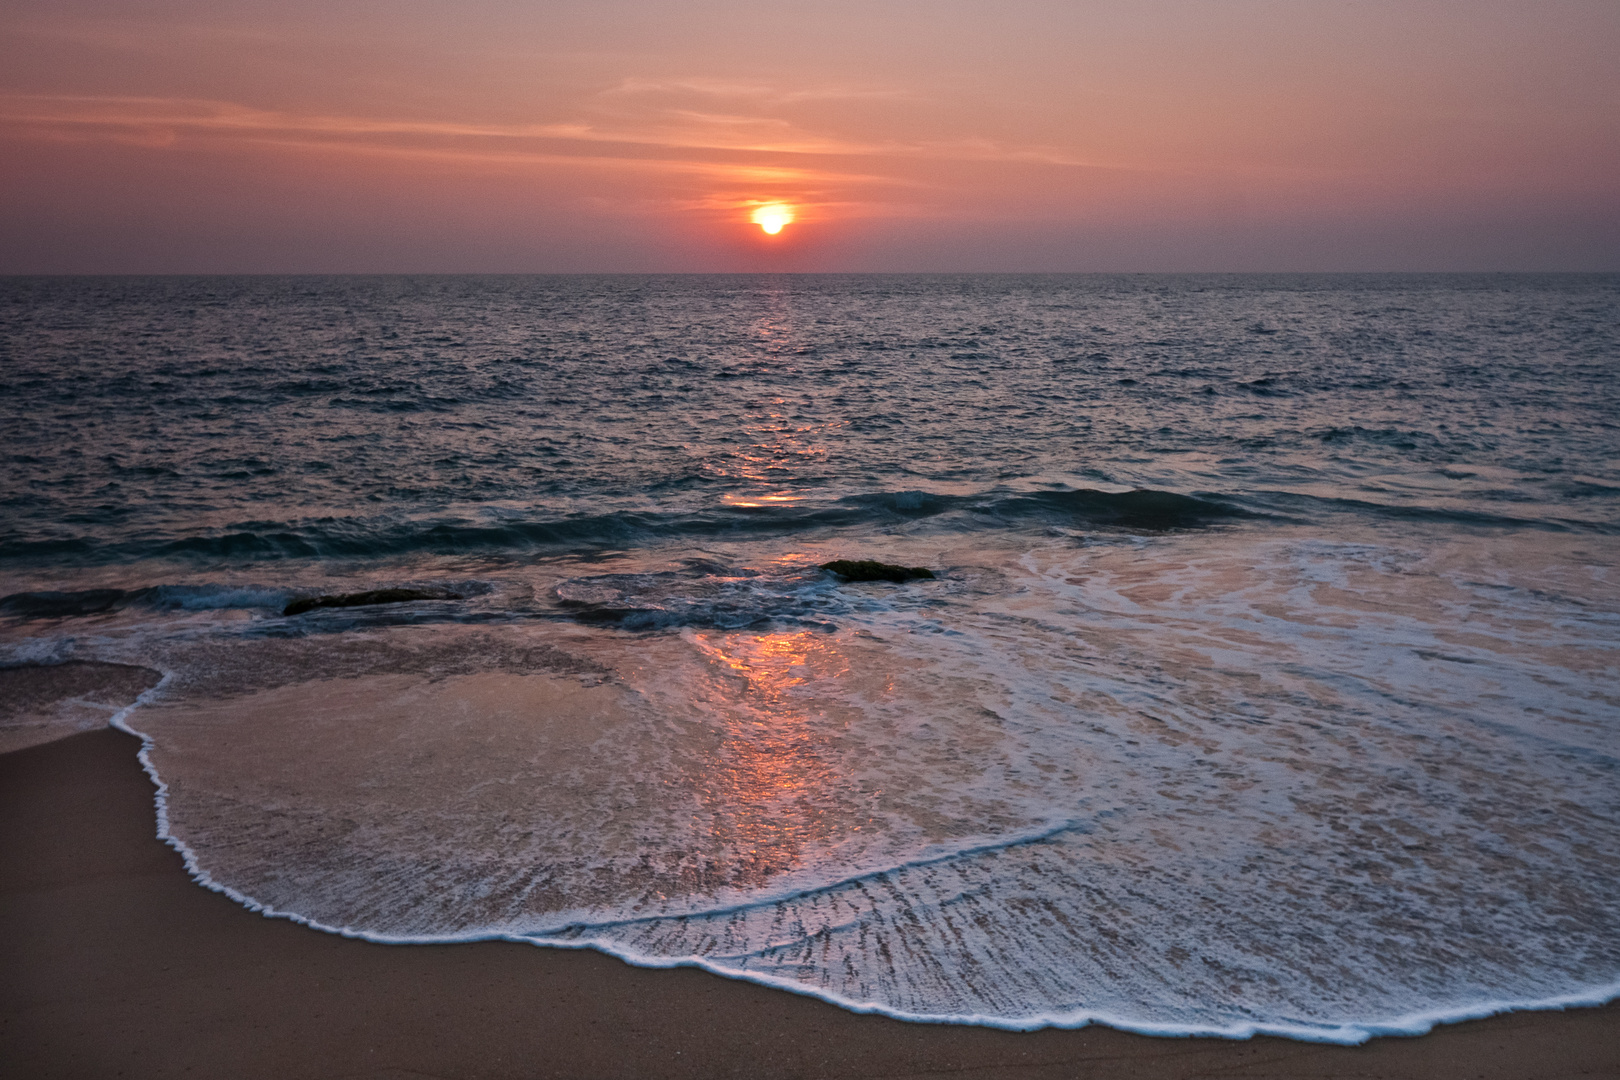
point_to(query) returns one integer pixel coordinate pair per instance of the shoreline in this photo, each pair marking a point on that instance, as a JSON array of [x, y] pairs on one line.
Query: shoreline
[[119, 964]]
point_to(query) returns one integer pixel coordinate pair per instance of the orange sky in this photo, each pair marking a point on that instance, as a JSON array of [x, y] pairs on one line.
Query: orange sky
[[490, 135]]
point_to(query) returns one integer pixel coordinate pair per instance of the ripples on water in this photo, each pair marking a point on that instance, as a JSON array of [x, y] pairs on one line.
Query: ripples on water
[[1269, 682]]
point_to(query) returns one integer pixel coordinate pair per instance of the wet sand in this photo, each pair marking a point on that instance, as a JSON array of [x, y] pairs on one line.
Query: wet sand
[[40, 703], [116, 964]]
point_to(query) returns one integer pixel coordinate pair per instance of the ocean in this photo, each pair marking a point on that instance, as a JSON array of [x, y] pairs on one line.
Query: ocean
[[1268, 680]]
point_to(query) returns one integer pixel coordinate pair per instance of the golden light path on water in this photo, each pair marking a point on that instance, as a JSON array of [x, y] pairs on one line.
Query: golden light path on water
[[766, 784], [784, 450]]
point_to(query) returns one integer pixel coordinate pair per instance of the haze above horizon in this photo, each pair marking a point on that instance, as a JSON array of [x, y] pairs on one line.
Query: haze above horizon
[[156, 136]]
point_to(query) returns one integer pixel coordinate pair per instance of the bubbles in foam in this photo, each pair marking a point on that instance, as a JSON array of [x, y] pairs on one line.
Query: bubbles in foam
[[1177, 783]]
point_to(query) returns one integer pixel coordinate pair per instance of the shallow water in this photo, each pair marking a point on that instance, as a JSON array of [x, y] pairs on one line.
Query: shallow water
[[1316, 732]]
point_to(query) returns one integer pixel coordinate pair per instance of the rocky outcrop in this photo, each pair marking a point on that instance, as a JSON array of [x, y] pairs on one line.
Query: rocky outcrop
[[363, 599], [869, 570]]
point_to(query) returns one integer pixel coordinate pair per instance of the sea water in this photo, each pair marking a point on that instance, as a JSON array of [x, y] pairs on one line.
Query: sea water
[[1268, 682]]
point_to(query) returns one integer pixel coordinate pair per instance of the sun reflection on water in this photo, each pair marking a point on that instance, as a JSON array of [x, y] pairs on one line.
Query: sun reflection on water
[[782, 450], [776, 784]]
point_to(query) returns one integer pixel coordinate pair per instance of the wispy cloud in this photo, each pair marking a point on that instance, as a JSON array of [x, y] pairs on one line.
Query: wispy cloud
[[719, 164], [156, 120], [221, 116], [753, 91]]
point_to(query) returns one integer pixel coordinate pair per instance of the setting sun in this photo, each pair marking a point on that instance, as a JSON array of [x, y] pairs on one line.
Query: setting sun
[[772, 216]]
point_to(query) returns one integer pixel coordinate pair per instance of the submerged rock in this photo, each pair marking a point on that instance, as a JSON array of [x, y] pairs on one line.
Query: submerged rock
[[363, 599], [869, 570], [61, 605]]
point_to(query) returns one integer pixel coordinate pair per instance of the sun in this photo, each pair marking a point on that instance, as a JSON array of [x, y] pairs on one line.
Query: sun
[[772, 216]]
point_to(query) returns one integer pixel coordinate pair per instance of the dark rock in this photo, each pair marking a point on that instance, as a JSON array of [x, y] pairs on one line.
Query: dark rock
[[364, 599], [868, 570], [58, 605]]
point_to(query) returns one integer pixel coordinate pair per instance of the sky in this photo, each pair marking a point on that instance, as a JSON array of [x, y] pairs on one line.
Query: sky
[[276, 136]]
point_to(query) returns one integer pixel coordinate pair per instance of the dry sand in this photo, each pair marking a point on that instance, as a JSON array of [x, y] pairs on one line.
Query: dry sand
[[116, 965]]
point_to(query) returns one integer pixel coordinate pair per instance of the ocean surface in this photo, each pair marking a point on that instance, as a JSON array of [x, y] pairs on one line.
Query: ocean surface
[[1270, 679]]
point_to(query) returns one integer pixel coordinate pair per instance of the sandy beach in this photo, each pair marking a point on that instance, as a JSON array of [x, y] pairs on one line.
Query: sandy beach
[[118, 965]]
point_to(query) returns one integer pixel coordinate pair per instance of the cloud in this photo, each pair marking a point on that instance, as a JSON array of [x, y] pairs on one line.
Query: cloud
[[683, 157], [64, 112], [672, 129], [752, 91], [678, 130]]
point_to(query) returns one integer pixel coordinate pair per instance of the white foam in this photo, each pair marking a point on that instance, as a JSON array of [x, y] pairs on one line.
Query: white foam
[[1326, 790]]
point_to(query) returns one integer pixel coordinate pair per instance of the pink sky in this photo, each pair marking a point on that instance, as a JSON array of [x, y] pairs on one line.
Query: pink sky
[[491, 135]]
